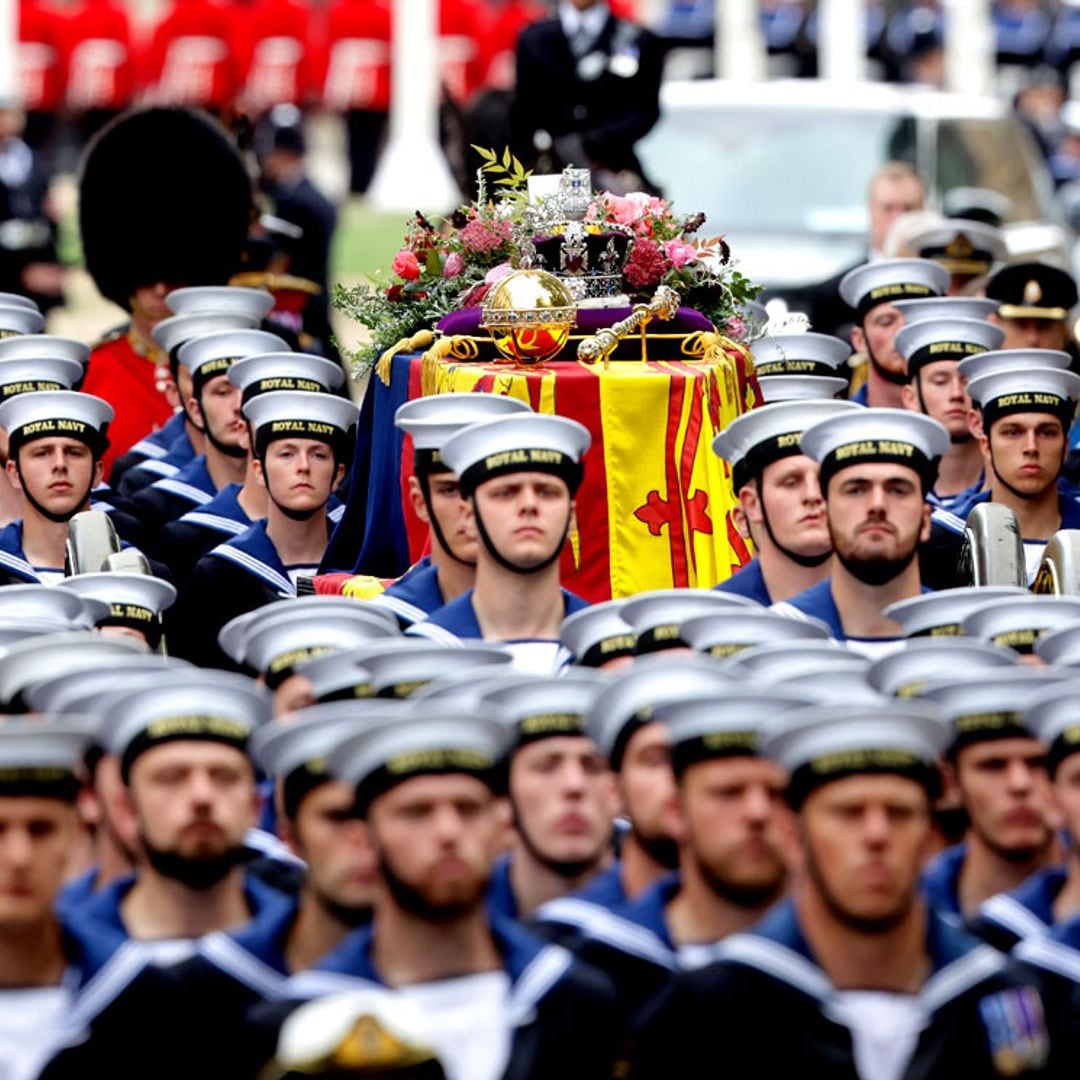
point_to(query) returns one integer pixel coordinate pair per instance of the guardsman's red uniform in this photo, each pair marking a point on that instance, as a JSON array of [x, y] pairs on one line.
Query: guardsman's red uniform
[[352, 64], [132, 378], [98, 57], [274, 45], [40, 57], [192, 59]]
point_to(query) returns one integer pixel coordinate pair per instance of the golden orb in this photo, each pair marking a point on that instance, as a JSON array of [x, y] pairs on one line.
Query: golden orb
[[529, 315]]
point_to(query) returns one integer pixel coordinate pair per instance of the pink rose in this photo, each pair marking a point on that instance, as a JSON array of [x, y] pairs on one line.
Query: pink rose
[[679, 252], [406, 265], [624, 211], [736, 327], [497, 273], [454, 265]]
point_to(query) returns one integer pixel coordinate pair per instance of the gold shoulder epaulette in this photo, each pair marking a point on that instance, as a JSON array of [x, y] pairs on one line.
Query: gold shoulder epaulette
[[114, 334]]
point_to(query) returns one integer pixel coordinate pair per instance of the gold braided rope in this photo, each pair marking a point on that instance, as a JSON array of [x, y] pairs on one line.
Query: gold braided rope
[[422, 339]]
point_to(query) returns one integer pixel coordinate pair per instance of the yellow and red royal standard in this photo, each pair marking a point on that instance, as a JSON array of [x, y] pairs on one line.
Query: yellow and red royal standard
[[654, 510]]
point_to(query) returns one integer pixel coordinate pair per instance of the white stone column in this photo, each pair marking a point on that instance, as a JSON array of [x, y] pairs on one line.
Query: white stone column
[[842, 40], [969, 47], [412, 173], [739, 50], [9, 49]]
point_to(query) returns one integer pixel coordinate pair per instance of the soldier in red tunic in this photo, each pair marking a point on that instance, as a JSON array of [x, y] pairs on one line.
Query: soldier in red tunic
[[142, 239]]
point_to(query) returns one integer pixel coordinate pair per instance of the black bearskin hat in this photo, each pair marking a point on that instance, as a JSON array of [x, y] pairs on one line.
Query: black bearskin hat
[[163, 196]]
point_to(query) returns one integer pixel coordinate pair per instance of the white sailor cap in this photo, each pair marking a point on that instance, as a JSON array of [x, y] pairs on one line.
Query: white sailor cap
[[926, 342], [598, 634], [941, 614], [980, 705], [44, 373], [220, 299], [887, 280], [338, 676], [826, 743], [81, 691], [11, 299], [1052, 718], [1059, 647], [41, 756], [234, 635], [657, 615], [760, 437], [45, 347], [799, 354], [847, 685], [785, 660], [46, 414], [131, 600], [43, 602], [946, 307], [210, 355], [44, 657], [1024, 390], [276, 647], [399, 673], [364, 1032], [961, 246], [631, 697], [776, 389], [989, 363], [433, 419], [436, 742], [707, 726], [294, 414], [15, 631], [724, 633], [924, 660], [296, 748], [464, 691], [265, 372], [16, 321], [537, 708], [526, 443], [206, 706], [872, 435], [1018, 622], [170, 334]]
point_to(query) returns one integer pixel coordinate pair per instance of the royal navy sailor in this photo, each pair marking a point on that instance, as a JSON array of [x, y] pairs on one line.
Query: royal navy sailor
[[520, 475], [778, 491], [870, 290], [238, 505], [937, 388], [876, 468], [56, 439], [301, 440], [436, 500], [998, 766], [1024, 420]]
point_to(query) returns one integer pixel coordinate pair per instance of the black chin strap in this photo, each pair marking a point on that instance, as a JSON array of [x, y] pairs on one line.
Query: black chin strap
[[504, 562], [809, 561], [436, 528], [51, 515], [955, 440], [1027, 496], [292, 515], [885, 373], [234, 451]]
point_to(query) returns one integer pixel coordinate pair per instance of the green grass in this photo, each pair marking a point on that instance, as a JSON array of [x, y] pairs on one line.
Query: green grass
[[365, 241]]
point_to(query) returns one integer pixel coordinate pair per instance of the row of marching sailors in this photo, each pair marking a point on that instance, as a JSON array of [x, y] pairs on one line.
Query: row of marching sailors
[[452, 900]]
